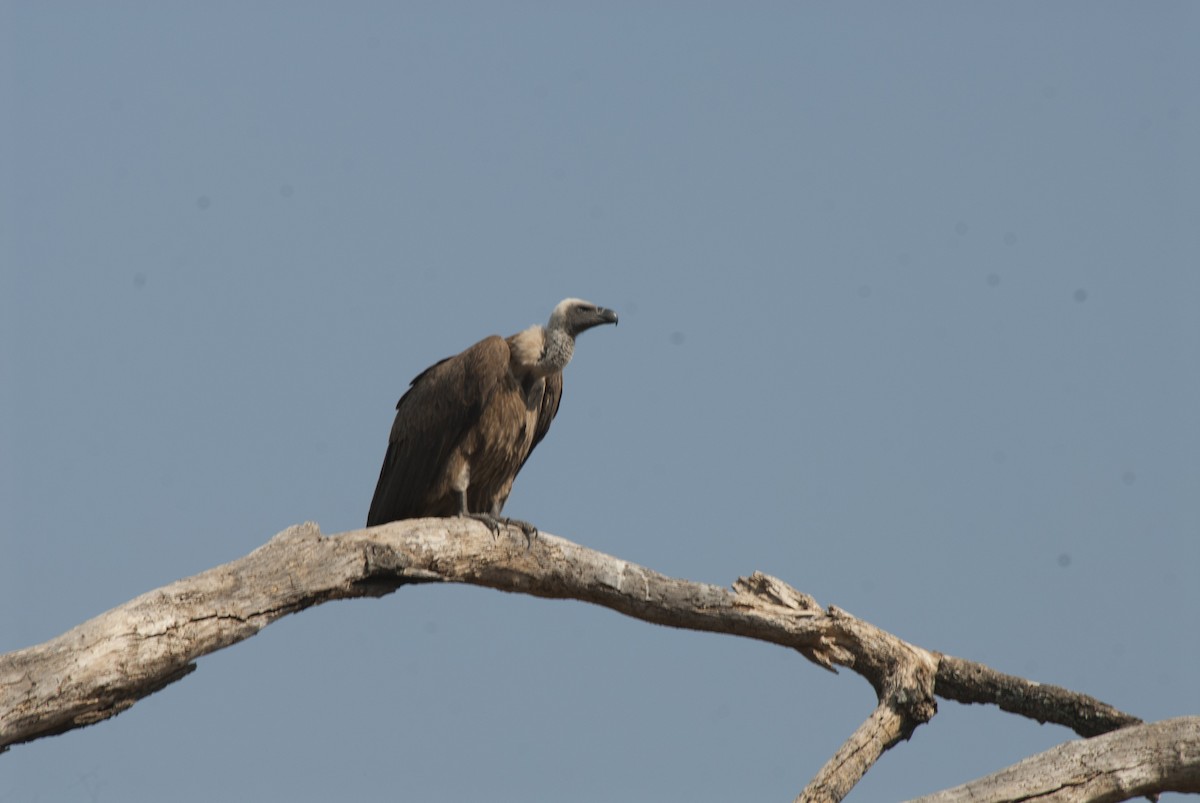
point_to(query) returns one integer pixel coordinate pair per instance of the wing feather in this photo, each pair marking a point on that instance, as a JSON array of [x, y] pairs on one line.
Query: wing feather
[[551, 397], [443, 403]]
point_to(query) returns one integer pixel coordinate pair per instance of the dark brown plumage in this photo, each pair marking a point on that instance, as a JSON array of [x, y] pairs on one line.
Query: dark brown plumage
[[467, 424]]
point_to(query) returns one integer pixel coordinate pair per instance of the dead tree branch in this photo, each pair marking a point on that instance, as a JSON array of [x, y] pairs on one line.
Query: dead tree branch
[[1132, 762], [968, 682], [103, 666]]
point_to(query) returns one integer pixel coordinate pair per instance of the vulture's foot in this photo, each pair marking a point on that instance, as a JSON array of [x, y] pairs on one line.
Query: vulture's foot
[[494, 523], [527, 528], [491, 521]]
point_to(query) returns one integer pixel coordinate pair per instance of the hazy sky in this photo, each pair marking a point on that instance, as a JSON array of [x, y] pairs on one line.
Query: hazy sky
[[908, 299]]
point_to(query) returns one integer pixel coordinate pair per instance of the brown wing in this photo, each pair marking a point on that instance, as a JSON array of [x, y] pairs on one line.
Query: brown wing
[[549, 408], [442, 405]]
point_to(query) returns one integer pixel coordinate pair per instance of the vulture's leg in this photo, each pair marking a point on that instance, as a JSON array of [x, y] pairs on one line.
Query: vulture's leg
[[527, 528], [491, 521]]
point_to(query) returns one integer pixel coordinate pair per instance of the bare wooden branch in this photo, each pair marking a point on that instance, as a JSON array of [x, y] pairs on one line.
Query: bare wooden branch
[[1133, 762], [103, 666], [850, 763], [968, 682]]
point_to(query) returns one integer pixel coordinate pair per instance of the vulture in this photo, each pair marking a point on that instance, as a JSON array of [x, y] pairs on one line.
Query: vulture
[[467, 424]]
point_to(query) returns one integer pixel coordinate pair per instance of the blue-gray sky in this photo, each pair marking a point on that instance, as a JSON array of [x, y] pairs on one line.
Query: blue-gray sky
[[908, 319]]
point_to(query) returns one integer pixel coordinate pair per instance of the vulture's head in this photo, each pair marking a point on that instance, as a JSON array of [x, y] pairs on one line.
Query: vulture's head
[[574, 315]]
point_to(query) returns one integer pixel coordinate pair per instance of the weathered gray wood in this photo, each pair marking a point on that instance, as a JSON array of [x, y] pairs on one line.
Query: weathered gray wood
[[1132, 762], [968, 682], [856, 756], [906, 701], [105, 665]]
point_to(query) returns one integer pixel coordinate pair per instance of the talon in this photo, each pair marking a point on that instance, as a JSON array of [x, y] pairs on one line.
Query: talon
[[528, 529], [494, 523], [490, 521]]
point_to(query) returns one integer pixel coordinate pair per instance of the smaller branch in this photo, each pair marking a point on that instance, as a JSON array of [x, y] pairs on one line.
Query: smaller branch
[[850, 763], [1137, 761], [968, 682]]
